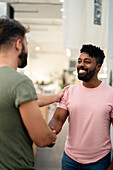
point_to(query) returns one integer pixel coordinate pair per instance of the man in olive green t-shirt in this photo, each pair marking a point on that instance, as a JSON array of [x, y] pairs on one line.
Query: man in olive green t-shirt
[[21, 121]]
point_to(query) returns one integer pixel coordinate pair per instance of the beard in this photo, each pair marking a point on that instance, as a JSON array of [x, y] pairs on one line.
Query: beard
[[87, 76], [22, 57]]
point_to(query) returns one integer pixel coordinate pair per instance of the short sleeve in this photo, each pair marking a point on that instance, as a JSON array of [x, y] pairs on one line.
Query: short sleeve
[[64, 101], [23, 92]]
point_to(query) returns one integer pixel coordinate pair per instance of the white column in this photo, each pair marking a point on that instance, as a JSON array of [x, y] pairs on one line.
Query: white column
[[110, 51]]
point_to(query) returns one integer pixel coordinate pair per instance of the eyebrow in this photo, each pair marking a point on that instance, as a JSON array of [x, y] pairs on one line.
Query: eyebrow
[[85, 59]]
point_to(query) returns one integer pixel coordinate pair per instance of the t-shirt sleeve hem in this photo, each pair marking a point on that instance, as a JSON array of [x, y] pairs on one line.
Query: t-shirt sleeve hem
[[62, 106], [25, 99]]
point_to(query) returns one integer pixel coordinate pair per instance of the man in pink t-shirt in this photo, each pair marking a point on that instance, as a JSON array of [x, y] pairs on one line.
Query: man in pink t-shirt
[[89, 108]]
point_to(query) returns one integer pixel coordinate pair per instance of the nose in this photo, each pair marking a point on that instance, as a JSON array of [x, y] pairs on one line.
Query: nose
[[81, 64]]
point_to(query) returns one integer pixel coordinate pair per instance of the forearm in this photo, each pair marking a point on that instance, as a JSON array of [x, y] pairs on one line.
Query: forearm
[[111, 165], [35, 124], [58, 119], [46, 100], [55, 124]]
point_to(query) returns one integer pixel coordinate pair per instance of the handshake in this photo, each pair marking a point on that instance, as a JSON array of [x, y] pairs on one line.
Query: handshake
[[54, 138], [52, 144]]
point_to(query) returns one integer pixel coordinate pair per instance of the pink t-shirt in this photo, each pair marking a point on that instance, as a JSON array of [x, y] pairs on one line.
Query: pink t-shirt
[[90, 112]]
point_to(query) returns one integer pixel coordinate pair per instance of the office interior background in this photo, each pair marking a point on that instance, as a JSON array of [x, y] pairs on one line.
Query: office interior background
[[57, 32]]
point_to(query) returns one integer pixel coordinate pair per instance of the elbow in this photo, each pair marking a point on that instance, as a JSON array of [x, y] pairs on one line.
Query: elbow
[[41, 145], [44, 140], [41, 142]]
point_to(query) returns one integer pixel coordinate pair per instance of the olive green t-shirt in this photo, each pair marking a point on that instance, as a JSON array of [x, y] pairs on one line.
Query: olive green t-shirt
[[16, 151]]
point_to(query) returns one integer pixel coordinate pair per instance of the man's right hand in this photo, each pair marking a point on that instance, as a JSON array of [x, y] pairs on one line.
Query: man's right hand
[[54, 141]]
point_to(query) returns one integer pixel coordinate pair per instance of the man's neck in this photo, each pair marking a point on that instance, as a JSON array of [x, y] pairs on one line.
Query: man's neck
[[92, 83], [7, 64], [7, 61]]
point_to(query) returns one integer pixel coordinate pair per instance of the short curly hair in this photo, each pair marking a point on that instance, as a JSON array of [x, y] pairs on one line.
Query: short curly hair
[[93, 51]]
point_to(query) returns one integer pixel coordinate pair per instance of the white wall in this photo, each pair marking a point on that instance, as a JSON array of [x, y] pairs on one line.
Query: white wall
[[47, 66]]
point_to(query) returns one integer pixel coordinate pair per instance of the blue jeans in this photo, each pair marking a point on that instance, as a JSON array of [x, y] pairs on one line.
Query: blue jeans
[[70, 164]]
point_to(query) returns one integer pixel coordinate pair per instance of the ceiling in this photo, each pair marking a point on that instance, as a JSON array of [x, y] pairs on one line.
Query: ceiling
[[44, 17]]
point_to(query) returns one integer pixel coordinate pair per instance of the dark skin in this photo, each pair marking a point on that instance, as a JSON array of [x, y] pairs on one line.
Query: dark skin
[[60, 114], [58, 119]]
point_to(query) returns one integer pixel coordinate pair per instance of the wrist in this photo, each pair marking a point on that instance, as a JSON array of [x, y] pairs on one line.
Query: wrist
[[55, 98]]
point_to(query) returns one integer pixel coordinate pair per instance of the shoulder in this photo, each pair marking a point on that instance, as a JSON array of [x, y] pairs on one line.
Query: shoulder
[[14, 77], [108, 89], [22, 77], [107, 86], [71, 88]]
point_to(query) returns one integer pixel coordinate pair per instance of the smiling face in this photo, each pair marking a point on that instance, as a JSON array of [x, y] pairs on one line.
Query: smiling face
[[87, 67]]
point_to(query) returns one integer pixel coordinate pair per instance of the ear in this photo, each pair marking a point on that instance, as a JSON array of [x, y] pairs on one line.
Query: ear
[[18, 45], [98, 67]]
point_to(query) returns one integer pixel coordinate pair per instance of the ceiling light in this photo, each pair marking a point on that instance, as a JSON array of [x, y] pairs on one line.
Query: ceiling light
[[62, 1], [68, 52], [37, 48], [62, 9]]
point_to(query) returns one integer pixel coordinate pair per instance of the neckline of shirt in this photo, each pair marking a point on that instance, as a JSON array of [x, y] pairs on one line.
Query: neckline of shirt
[[95, 88]]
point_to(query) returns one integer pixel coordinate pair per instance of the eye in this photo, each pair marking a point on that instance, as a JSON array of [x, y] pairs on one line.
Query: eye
[[87, 62], [79, 61]]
